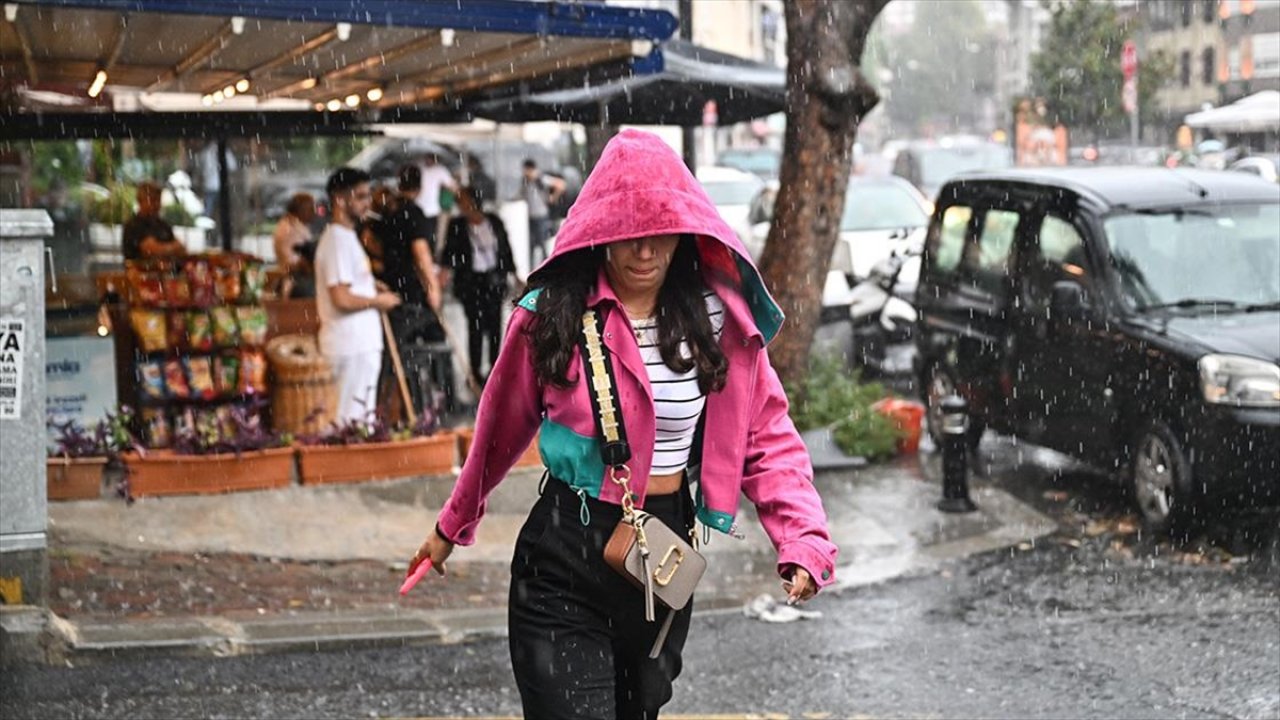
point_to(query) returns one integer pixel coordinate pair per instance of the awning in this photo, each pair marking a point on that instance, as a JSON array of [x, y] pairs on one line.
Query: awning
[[742, 90], [337, 54], [1259, 112]]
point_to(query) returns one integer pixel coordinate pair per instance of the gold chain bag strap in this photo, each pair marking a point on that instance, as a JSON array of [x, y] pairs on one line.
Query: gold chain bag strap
[[642, 548]]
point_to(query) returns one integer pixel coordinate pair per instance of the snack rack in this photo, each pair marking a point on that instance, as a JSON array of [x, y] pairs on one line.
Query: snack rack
[[200, 331]]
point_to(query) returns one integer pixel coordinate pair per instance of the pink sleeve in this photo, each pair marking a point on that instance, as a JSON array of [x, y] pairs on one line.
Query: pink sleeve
[[778, 479], [506, 421]]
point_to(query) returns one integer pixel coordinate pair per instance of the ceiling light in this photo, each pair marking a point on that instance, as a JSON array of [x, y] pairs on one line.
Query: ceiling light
[[229, 91], [207, 100], [353, 100], [374, 94], [242, 85], [344, 31], [447, 36], [99, 81], [11, 12], [334, 105], [237, 24], [218, 97], [308, 83], [319, 106]]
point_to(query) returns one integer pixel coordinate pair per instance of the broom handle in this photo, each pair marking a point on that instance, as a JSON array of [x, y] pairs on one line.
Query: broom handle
[[473, 383], [395, 363]]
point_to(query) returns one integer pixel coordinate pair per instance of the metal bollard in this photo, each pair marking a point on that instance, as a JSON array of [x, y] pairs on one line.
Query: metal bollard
[[955, 456]]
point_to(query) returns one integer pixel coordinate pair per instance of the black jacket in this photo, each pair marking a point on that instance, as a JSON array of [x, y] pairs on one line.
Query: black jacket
[[457, 256]]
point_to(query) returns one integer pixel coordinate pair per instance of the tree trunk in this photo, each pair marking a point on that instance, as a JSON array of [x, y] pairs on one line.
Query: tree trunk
[[827, 96]]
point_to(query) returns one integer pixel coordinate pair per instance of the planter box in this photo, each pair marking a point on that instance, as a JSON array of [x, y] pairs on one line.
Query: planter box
[[167, 473], [75, 478], [530, 458], [434, 455]]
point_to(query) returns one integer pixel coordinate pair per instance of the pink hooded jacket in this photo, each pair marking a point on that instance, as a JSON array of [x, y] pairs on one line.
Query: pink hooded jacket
[[640, 188]]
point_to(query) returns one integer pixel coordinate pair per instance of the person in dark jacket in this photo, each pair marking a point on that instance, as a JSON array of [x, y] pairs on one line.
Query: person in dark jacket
[[478, 254]]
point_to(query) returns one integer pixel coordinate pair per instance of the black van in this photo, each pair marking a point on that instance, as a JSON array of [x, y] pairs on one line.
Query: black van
[[1129, 317]]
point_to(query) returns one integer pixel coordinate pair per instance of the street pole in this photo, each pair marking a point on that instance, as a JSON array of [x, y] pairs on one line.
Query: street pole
[[224, 194], [687, 139]]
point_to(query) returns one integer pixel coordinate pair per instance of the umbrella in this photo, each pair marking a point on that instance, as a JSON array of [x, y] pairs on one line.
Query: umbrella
[[742, 90], [1259, 112]]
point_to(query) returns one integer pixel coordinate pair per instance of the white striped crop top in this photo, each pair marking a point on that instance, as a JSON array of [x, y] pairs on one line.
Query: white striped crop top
[[677, 400]]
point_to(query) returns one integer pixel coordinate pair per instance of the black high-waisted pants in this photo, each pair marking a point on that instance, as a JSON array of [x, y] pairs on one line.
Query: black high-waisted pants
[[579, 641]]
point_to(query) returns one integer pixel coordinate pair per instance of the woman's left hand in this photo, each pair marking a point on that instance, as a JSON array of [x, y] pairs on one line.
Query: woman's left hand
[[800, 587]]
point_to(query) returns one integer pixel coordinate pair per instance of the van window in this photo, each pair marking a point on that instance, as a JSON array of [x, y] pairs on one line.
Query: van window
[[1059, 255], [949, 242], [987, 261]]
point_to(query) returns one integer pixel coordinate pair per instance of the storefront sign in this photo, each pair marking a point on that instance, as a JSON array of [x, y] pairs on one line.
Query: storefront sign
[[80, 380], [13, 348]]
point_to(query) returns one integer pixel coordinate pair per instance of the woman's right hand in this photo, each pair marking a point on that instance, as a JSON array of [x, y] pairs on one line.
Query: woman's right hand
[[386, 300], [434, 547]]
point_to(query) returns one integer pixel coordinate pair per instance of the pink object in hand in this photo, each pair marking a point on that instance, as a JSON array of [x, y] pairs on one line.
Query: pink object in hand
[[420, 572]]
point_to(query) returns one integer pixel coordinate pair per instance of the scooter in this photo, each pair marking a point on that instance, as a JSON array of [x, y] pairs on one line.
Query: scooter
[[882, 311]]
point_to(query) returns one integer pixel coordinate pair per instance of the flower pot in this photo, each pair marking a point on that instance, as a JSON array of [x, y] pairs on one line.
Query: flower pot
[[433, 455], [168, 473], [530, 458], [75, 478]]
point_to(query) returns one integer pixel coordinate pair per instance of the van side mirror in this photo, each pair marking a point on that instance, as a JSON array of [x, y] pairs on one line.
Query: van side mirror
[[1068, 299]]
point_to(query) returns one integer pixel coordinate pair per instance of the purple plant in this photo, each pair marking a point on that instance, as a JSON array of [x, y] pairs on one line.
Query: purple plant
[[107, 438], [374, 430], [244, 431]]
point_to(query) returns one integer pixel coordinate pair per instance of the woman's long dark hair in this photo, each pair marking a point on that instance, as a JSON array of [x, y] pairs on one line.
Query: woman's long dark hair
[[681, 316]]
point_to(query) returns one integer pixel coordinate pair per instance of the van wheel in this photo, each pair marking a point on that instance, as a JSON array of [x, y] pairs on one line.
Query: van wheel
[[1160, 479], [939, 383]]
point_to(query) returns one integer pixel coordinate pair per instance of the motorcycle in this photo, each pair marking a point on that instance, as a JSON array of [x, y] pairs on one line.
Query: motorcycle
[[882, 313]]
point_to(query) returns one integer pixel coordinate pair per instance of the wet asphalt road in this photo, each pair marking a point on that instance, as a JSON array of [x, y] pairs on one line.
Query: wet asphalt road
[[1095, 621]]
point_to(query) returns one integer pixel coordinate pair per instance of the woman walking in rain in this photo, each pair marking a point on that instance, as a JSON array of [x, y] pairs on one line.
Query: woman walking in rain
[[683, 319]]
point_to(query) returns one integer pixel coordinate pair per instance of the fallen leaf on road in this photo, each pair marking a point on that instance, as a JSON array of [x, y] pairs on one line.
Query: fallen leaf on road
[[1025, 546], [1056, 495], [1126, 526], [1069, 542], [295, 603], [1096, 528]]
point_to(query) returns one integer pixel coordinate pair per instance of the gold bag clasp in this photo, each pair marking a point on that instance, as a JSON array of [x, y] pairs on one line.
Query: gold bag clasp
[[671, 572]]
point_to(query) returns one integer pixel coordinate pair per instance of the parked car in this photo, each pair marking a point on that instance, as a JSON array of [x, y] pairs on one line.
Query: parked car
[[928, 165], [1266, 167], [732, 192], [1129, 317], [883, 215], [764, 162]]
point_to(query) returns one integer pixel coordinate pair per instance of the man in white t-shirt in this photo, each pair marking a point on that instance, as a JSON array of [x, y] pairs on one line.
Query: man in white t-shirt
[[348, 299], [435, 177]]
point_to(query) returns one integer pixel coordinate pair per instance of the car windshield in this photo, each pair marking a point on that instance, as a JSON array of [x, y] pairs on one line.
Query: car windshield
[[938, 165], [1213, 257], [732, 193], [880, 207], [760, 163]]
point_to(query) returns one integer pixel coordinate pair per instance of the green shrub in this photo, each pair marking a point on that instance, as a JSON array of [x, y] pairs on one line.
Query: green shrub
[[832, 396]]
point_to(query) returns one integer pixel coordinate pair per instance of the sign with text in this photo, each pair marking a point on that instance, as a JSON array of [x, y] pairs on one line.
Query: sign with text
[[13, 350], [80, 380]]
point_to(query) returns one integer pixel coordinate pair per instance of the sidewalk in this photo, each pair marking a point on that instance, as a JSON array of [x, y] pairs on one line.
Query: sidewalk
[[312, 567]]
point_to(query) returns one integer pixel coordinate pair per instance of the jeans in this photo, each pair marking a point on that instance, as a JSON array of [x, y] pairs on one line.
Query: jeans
[[539, 233], [579, 641]]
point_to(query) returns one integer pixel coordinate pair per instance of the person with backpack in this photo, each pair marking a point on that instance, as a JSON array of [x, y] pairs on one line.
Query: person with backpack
[[539, 192]]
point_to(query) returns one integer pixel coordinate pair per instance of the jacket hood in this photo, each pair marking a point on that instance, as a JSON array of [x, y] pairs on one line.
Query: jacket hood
[[640, 187]]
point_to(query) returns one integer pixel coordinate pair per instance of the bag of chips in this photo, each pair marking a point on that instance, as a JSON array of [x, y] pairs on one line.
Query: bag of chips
[[175, 379], [145, 288], [224, 326], [204, 291], [253, 325], [253, 372], [200, 377], [226, 375], [228, 278], [184, 422], [149, 327], [199, 331], [254, 279], [158, 433], [151, 377], [177, 291], [176, 329]]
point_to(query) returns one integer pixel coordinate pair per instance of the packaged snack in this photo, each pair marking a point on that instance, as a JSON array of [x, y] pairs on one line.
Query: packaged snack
[[226, 375], [224, 326], [227, 273], [204, 290], [254, 279], [158, 433], [253, 372], [145, 287], [149, 326], [199, 331], [226, 420], [200, 377], [184, 422], [176, 329], [177, 291], [253, 325], [151, 377], [175, 379], [206, 421]]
